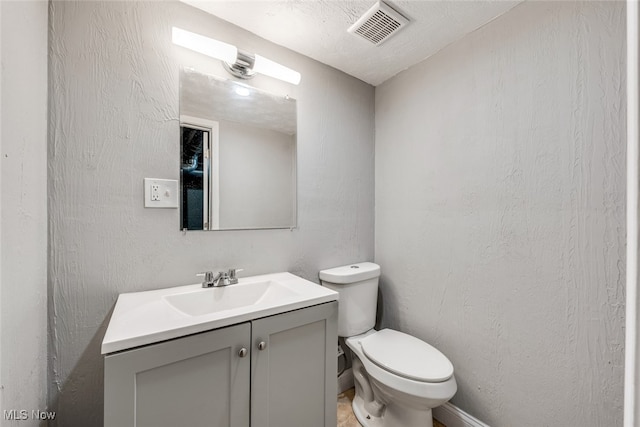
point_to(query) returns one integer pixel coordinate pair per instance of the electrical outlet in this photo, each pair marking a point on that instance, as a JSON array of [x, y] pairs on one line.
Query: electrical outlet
[[160, 193], [155, 192]]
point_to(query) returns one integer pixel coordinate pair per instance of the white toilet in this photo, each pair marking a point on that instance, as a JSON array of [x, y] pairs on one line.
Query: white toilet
[[398, 378]]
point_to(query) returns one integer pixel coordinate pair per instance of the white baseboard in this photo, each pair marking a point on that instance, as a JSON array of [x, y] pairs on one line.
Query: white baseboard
[[452, 416]]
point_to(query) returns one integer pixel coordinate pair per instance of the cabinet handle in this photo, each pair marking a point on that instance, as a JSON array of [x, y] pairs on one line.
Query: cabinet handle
[[262, 345], [243, 352]]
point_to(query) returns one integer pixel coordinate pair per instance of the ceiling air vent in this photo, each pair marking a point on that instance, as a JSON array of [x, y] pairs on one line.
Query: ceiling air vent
[[379, 24]]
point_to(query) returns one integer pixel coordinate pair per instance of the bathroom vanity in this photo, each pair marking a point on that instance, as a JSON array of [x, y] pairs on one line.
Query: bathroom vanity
[[259, 353]]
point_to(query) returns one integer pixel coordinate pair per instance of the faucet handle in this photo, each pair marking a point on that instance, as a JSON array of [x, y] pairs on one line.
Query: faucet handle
[[209, 279], [232, 274], [233, 271], [208, 276]]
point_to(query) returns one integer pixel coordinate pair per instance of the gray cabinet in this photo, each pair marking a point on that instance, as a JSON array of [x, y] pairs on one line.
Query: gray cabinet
[[293, 380], [285, 378], [198, 380]]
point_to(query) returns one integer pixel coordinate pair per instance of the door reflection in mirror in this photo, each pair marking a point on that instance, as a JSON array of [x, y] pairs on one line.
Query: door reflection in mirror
[[195, 147]]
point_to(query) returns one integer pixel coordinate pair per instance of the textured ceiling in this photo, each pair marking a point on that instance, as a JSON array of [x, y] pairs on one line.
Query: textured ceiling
[[318, 29]]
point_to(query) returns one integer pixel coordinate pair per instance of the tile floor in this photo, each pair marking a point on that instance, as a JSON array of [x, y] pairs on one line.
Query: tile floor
[[346, 418]]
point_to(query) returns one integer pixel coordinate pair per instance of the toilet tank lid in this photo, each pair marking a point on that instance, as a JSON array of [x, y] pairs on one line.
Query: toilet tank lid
[[351, 273], [407, 356]]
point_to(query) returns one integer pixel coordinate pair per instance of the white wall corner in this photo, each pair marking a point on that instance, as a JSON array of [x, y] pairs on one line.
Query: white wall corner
[[632, 373], [23, 200]]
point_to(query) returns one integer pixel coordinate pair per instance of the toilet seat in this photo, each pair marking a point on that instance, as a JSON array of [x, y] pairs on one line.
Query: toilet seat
[[444, 389], [407, 356]]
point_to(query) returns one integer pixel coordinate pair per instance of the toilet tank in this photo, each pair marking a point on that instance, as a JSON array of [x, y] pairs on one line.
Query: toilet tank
[[357, 285]]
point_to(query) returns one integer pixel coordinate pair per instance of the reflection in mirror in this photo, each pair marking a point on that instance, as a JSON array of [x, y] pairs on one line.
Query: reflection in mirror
[[238, 149], [195, 143]]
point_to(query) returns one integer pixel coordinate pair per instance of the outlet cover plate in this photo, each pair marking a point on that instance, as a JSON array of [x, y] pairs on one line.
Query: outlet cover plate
[[168, 193]]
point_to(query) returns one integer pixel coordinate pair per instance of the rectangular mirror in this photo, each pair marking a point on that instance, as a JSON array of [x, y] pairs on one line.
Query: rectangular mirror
[[238, 155]]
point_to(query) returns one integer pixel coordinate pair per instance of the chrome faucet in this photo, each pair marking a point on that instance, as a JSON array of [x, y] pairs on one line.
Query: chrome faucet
[[209, 280], [222, 278]]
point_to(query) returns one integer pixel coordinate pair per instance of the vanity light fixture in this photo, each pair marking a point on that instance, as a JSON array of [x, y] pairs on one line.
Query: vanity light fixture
[[216, 49], [239, 63]]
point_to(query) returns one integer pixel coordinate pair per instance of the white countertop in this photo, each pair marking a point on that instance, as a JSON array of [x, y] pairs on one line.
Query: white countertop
[[141, 318]]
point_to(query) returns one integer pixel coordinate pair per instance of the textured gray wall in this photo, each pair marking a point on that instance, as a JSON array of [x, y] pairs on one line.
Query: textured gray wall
[[257, 172], [500, 212], [114, 120], [23, 208]]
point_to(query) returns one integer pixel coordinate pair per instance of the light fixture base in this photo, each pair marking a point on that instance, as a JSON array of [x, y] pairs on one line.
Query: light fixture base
[[242, 68]]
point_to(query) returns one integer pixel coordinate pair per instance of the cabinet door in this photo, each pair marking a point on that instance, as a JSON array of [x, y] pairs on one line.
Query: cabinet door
[[196, 381], [293, 377]]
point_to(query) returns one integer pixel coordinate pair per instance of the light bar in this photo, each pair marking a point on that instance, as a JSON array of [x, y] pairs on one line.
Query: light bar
[[269, 68], [201, 44], [239, 63]]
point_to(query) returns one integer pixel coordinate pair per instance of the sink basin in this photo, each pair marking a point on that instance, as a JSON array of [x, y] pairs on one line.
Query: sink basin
[[217, 299], [142, 318]]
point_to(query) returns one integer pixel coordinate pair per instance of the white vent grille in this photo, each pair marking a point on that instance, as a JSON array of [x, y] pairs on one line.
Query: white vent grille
[[379, 24]]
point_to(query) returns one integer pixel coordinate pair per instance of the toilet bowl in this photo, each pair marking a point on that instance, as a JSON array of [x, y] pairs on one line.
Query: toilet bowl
[[398, 378]]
